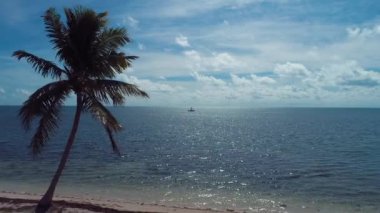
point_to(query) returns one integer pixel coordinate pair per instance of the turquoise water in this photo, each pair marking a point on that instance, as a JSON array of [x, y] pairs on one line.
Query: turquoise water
[[317, 160]]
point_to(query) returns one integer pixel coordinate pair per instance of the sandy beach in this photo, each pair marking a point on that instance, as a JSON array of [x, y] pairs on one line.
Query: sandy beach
[[25, 202]]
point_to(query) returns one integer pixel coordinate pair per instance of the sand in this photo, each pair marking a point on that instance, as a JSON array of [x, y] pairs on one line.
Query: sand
[[25, 202]]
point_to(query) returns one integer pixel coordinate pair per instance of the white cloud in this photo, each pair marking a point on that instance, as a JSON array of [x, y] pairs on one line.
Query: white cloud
[[330, 85], [182, 41], [289, 92], [214, 62], [348, 74], [132, 22], [259, 45], [365, 32], [291, 69], [252, 87], [148, 85], [200, 57], [23, 92], [271, 59], [252, 80], [161, 63], [333, 82], [223, 61], [262, 44], [208, 79], [194, 55], [141, 46], [197, 7], [309, 68], [263, 80], [2, 91]]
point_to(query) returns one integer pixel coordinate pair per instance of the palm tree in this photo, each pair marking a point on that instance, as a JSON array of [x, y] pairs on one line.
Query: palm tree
[[90, 55]]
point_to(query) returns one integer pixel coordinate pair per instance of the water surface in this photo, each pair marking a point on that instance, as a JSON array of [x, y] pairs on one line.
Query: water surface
[[247, 159]]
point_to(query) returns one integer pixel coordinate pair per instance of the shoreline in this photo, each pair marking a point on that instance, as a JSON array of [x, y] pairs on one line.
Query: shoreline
[[25, 202], [11, 201]]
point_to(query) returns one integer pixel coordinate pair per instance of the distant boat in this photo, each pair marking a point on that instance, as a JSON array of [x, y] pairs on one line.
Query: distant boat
[[191, 109]]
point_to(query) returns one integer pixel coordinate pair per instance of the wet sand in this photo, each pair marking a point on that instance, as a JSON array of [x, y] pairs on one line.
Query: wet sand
[[25, 202]]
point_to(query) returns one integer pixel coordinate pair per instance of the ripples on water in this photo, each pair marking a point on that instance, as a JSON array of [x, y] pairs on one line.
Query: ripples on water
[[223, 158]]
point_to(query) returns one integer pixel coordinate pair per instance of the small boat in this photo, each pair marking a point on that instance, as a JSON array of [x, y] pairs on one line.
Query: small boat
[[191, 109]]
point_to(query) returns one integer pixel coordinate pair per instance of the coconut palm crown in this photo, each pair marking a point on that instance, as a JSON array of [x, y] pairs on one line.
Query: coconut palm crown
[[89, 52]]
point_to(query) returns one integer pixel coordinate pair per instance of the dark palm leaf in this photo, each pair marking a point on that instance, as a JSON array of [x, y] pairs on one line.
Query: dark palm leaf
[[47, 124], [100, 112], [83, 27], [56, 31], [115, 90], [105, 117], [105, 59], [110, 39], [42, 66], [114, 145], [119, 61], [90, 53], [42, 100], [45, 103], [108, 66]]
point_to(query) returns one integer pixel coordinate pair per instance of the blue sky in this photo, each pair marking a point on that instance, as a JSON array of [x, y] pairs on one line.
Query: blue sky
[[244, 53]]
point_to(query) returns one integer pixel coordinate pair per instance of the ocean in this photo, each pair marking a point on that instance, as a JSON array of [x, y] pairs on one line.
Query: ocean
[[277, 159]]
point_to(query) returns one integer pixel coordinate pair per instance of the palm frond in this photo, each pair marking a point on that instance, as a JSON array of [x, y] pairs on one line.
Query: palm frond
[[101, 113], [70, 17], [58, 33], [105, 90], [44, 103], [119, 61], [41, 101], [42, 66], [104, 59], [83, 29], [56, 29], [110, 39], [83, 26], [107, 66], [105, 117], [47, 124], [90, 54], [102, 17], [114, 145]]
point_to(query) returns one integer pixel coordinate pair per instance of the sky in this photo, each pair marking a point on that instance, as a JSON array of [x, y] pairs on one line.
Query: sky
[[219, 53]]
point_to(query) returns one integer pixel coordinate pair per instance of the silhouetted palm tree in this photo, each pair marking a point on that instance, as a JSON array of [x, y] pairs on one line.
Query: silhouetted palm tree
[[90, 54]]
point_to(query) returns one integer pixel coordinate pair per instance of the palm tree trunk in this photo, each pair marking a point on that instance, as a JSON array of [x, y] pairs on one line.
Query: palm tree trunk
[[46, 200]]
